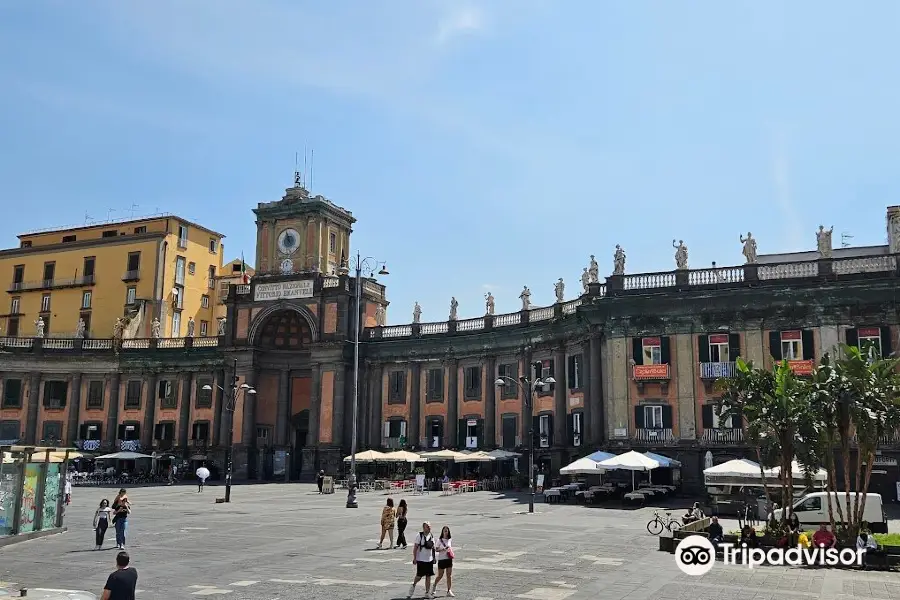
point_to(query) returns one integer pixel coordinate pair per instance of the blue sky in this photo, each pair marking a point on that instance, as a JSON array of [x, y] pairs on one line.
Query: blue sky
[[481, 145]]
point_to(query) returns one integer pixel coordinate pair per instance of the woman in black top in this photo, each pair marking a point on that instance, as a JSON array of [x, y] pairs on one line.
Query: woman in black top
[[402, 510], [320, 480], [793, 531]]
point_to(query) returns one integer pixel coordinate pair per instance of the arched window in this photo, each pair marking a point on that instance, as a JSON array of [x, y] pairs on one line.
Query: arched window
[[285, 330]]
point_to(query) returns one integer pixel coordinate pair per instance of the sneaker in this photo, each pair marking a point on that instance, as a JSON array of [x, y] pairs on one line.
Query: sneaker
[[412, 590], [451, 594]]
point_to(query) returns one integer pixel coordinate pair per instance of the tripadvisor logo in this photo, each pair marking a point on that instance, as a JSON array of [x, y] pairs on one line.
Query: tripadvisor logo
[[696, 555]]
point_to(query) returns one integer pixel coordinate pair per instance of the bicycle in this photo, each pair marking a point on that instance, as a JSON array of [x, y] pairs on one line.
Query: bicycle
[[657, 524]]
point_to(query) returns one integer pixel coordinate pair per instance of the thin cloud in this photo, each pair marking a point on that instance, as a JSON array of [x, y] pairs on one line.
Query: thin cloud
[[463, 20]]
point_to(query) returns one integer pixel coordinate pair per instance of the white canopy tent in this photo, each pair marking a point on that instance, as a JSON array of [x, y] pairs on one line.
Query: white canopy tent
[[443, 455], [401, 456], [630, 461], [739, 467], [476, 457], [503, 454], [583, 466], [798, 472], [123, 456], [368, 456]]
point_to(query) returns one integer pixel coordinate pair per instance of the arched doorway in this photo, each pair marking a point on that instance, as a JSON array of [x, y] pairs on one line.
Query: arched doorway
[[284, 330], [300, 429]]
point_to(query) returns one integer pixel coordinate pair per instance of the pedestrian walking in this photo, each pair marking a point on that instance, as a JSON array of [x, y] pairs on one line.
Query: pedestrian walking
[[122, 509], [423, 558], [387, 523], [202, 476], [402, 513], [445, 556], [121, 583], [320, 480], [68, 490], [102, 518]]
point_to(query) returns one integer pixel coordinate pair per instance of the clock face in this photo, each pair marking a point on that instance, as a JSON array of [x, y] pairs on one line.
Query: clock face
[[287, 266], [288, 241]]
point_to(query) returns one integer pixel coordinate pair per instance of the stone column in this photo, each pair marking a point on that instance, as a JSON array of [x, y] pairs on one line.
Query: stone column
[[340, 436], [377, 393], [149, 413], [490, 401], [184, 409], [560, 392], [315, 401], [74, 409], [685, 365], [617, 378], [34, 404], [452, 403], [593, 404], [248, 433], [415, 403], [112, 411], [218, 394], [282, 408]]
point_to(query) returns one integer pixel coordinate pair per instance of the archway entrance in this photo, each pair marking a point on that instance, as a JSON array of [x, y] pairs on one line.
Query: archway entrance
[[300, 429]]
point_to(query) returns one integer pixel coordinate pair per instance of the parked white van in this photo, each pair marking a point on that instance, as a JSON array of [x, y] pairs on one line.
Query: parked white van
[[812, 509]]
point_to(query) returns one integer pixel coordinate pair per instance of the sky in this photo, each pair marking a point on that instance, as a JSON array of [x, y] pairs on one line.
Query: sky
[[482, 145]]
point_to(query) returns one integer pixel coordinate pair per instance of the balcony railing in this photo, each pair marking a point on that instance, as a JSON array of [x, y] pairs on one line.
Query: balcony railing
[[133, 275], [731, 277], [650, 372], [199, 444], [49, 284], [391, 443], [242, 289], [59, 345], [723, 436], [716, 370], [653, 437]]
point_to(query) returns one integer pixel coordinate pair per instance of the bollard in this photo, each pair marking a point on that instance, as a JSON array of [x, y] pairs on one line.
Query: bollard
[[23, 592]]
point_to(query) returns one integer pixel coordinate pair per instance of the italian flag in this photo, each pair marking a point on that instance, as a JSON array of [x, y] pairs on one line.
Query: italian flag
[[244, 277]]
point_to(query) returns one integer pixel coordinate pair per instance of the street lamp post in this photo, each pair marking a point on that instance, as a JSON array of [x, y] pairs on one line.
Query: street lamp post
[[528, 388], [231, 399], [367, 265]]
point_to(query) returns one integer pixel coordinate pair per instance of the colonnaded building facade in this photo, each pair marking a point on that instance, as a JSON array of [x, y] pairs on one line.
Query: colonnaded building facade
[[634, 358]]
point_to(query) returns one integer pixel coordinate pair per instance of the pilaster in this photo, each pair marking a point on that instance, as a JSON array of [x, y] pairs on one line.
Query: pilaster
[[617, 386], [593, 405], [34, 399], [490, 401], [560, 405], [186, 384], [377, 389], [685, 365], [415, 400], [753, 345], [282, 407], [527, 407], [829, 340], [74, 409], [315, 402], [149, 413], [452, 424], [339, 405], [113, 381]]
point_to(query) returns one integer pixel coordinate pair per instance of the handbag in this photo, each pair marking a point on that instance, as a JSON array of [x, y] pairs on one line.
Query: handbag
[[450, 554]]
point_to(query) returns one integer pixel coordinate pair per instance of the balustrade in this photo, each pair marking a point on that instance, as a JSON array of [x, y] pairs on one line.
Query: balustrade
[[570, 307], [395, 331], [136, 343], [645, 281], [716, 276], [788, 270], [470, 324], [59, 344], [331, 282], [508, 319], [242, 289], [206, 342], [433, 328], [865, 264], [540, 314], [716, 370], [654, 436], [91, 344], [170, 343], [723, 436]]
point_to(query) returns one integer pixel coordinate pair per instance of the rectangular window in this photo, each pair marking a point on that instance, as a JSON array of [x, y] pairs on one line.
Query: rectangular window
[[134, 263], [192, 268], [717, 421], [164, 431], [435, 429], [211, 277], [332, 242], [396, 428], [870, 341], [204, 328], [176, 325], [141, 229], [89, 431], [55, 394], [110, 233], [472, 383], [133, 394], [544, 430], [791, 345], [200, 431], [86, 317], [52, 433], [12, 327], [435, 384], [68, 238], [165, 392], [49, 272], [178, 296], [179, 270], [204, 397], [18, 276], [544, 370], [9, 432], [12, 393], [652, 350], [130, 431], [505, 372], [397, 387], [130, 295], [95, 394], [182, 236], [14, 306], [204, 301], [213, 244], [89, 265], [718, 348], [574, 374], [577, 428], [653, 417], [509, 431], [45, 303], [85, 300], [262, 436]]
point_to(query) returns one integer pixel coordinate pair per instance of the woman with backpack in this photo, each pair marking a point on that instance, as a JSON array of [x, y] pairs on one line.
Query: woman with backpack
[[423, 558], [444, 560]]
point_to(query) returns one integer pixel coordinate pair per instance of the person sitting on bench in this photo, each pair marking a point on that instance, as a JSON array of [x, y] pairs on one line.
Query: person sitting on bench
[[695, 514], [866, 542], [716, 535], [823, 538], [748, 537]]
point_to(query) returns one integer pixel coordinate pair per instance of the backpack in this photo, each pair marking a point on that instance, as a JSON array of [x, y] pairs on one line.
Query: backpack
[[427, 543]]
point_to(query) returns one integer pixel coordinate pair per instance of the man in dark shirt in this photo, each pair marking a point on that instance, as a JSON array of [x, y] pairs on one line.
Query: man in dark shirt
[[716, 535], [122, 581]]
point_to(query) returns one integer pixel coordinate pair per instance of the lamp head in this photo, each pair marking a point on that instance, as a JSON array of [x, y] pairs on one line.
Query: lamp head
[[244, 386], [383, 270], [206, 388], [251, 391], [547, 380], [500, 382]]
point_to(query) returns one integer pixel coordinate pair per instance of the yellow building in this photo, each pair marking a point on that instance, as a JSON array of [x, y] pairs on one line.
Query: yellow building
[[231, 273], [160, 267]]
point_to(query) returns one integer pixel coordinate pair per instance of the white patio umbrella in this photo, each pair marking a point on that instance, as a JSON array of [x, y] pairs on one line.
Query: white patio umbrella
[[739, 467], [443, 455], [503, 454], [476, 457], [368, 456], [797, 472], [123, 456], [402, 456], [630, 461], [582, 466]]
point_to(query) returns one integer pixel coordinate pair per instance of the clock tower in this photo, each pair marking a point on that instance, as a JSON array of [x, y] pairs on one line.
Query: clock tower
[[301, 233]]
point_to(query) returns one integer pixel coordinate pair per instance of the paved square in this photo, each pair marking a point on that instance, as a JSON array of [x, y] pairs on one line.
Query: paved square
[[285, 542]]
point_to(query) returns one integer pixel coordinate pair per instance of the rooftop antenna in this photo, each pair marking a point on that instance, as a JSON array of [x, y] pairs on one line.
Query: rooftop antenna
[[304, 166], [133, 209], [844, 237], [87, 218], [296, 169], [109, 212]]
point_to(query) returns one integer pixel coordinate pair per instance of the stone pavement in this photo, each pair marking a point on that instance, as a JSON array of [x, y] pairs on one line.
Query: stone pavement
[[285, 541]]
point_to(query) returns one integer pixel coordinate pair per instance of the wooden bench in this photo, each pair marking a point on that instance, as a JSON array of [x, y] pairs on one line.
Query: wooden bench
[[699, 526]]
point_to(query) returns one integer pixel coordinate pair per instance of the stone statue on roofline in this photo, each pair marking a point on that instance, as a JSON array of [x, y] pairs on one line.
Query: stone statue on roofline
[[749, 250], [80, 329], [155, 329], [417, 313], [594, 270], [585, 280], [380, 315], [560, 290], [39, 327], [489, 304], [823, 241], [681, 255], [525, 297], [454, 306], [222, 323], [619, 261]]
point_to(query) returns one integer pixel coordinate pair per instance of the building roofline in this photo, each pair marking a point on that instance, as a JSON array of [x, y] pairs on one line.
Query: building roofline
[[111, 222], [62, 246]]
